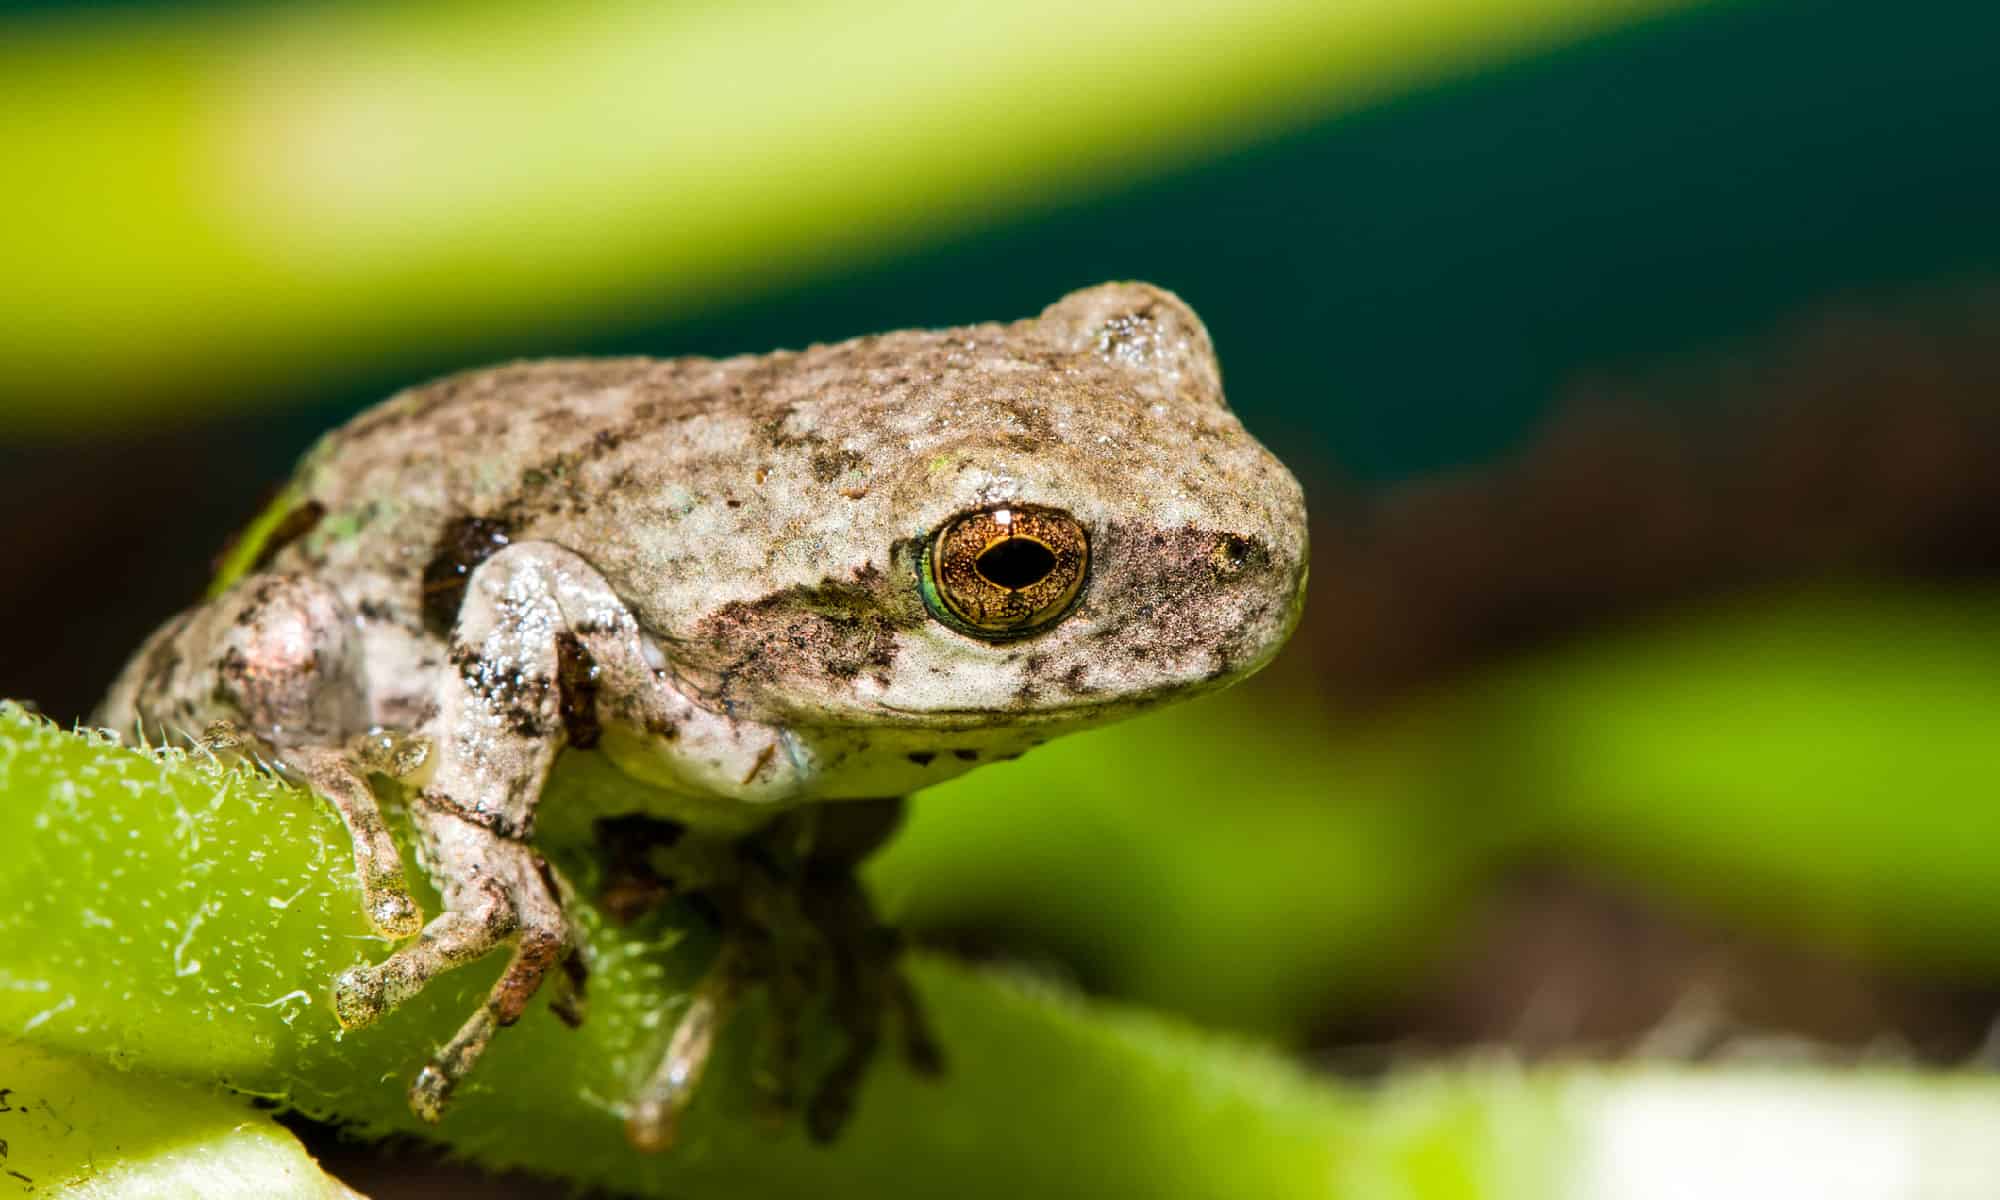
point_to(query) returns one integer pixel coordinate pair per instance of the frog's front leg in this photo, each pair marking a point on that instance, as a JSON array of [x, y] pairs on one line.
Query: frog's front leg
[[540, 646]]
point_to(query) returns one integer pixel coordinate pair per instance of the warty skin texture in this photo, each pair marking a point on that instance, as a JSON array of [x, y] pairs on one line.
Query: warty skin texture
[[762, 517]]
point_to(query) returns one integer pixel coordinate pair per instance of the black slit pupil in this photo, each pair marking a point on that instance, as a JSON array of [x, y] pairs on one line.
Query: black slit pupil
[[1016, 563]]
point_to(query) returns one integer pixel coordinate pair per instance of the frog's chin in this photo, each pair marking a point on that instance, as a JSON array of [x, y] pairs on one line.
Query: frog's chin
[[885, 759]]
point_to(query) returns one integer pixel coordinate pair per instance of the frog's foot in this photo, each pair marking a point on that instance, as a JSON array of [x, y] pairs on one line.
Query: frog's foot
[[869, 984], [341, 779], [497, 888], [385, 892], [799, 923]]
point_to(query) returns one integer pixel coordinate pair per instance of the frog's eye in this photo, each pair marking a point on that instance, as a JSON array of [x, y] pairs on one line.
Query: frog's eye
[[1005, 572]]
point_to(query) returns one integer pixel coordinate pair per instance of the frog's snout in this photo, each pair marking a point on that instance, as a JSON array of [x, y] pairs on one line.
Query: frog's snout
[[1260, 580]]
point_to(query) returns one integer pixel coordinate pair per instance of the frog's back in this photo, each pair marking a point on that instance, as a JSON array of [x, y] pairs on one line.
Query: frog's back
[[503, 444], [581, 451], [489, 437]]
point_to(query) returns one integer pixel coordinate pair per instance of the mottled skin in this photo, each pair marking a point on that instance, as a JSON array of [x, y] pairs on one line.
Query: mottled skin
[[708, 570]]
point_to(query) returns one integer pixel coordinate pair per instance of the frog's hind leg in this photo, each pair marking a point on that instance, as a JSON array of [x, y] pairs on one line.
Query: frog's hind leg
[[275, 663]]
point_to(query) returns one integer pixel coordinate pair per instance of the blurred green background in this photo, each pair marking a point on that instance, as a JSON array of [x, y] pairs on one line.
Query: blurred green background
[[1640, 360]]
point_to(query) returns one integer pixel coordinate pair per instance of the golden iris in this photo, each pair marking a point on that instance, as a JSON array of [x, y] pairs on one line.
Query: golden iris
[[1005, 571]]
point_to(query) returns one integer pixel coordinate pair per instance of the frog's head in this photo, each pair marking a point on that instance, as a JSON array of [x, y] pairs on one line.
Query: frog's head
[[1075, 526]]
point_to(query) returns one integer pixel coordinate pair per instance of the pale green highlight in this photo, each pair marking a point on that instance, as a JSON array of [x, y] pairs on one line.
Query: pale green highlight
[[249, 545]]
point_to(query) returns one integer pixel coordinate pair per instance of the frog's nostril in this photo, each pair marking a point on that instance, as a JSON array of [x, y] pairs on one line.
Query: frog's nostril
[[1016, 563]]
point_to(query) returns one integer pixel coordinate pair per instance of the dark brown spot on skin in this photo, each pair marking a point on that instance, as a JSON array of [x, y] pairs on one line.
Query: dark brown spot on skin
[[922, 758], [464, 544], [1073, 679], [577, 685], [165, 658], [293, 526], [1039, 428], [829, 465], [232, 679], [527, 723], [493, 822], [763, 760], [840, 629], [772, 430], [966, 755]]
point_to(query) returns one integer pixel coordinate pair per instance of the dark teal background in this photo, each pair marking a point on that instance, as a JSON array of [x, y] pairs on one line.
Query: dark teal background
[[1410, 287]]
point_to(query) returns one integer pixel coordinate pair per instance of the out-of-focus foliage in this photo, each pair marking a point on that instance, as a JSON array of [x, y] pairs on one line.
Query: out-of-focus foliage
[[1818, 764], [228, 198]]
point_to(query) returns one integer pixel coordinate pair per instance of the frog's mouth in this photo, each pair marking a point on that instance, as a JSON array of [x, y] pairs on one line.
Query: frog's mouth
[[1027, 713]]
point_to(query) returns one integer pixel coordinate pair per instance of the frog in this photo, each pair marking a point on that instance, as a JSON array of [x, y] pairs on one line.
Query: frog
[[779, 593]]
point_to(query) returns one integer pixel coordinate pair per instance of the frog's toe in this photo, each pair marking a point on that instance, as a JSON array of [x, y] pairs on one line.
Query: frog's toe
[[921, 1050], [652, 1119], [392, 910], [432, 1088], [569, 1000], [359, 997]]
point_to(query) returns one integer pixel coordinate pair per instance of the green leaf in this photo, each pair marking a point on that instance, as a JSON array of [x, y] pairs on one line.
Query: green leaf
[[78, 1128], [177, 918]]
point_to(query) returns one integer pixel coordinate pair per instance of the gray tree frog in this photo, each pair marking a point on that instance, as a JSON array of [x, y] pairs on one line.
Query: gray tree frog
[[781, 592]]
